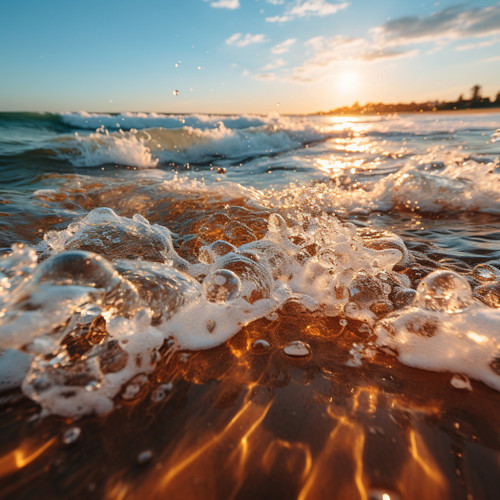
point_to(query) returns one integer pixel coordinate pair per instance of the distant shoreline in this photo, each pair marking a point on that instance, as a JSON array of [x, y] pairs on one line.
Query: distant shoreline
[[427, 111]]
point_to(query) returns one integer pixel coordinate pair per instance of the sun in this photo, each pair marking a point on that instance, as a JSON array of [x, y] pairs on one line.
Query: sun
[[347, 81]]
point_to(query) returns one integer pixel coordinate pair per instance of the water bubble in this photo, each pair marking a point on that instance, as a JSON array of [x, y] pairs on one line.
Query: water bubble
[[160, 392], [297, 349], [272, 253], [486, 272], [461, 382], [403, 297], [93, 385], [444, 291], [260, 345], [135, 388], [112, 358], [327, 257], [256, 278], [365, 329], [104, 232], [222, 286], [208, 254], [144, 456], [71, 435], [77, 267], [351, 309], [343, 322]]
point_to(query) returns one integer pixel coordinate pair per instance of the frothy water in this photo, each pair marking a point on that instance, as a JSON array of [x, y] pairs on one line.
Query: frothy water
[[98, 302], [141, 252], [111, 292]]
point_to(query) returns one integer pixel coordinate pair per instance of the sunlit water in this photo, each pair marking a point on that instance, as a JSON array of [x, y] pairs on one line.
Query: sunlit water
[[275, 297]]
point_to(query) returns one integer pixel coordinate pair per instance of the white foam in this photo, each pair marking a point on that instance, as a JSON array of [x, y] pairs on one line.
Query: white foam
[[462, 185], [102, 147], [201, 304], [444, 329], [127, 121]]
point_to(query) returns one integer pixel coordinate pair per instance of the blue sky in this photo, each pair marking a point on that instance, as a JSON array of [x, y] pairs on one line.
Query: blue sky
[[239, 56]]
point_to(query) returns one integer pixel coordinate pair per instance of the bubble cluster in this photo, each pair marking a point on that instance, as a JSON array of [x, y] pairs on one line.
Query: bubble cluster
[[97, 305]]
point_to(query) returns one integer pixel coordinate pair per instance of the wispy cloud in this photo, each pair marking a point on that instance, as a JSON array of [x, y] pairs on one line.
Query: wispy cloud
[[277, 63], [225, 4], [283, 47], [328, 52], [240, 40], [265, 77], [453, 23], [491, 59], [307, 8], [399, 38], [477, 45]]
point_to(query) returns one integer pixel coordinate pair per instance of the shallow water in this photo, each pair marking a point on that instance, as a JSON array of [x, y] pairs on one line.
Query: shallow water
[[278, 297]]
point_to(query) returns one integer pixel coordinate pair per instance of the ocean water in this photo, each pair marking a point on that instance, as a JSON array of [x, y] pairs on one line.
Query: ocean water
[[273, 295]]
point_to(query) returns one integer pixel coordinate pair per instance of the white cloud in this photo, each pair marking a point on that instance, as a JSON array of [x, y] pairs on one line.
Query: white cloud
[[328, 53], [283, 47], [398, 38], [274, 64], [240, 40], [225, 4], [308, 8]]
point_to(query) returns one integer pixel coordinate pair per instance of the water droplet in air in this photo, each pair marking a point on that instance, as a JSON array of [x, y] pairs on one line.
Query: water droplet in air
[[71, 435], [144, 456], [222, 286], [297, 349]]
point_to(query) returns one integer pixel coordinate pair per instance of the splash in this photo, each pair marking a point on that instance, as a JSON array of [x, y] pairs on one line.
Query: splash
[[111, 297]]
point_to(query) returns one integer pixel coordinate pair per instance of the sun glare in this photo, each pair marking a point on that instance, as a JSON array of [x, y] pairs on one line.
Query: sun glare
[[347, 81]]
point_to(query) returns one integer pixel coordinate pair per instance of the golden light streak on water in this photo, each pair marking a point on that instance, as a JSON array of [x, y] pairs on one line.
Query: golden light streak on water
[[279, 449], [21, 457], [189, 456], [328, 478], [433, 484]]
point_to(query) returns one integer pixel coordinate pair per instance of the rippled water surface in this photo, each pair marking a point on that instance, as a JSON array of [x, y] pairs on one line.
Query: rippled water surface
[[309, 304]]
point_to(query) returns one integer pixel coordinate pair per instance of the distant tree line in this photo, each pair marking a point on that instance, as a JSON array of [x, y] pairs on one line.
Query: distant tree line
[[476, 101]]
